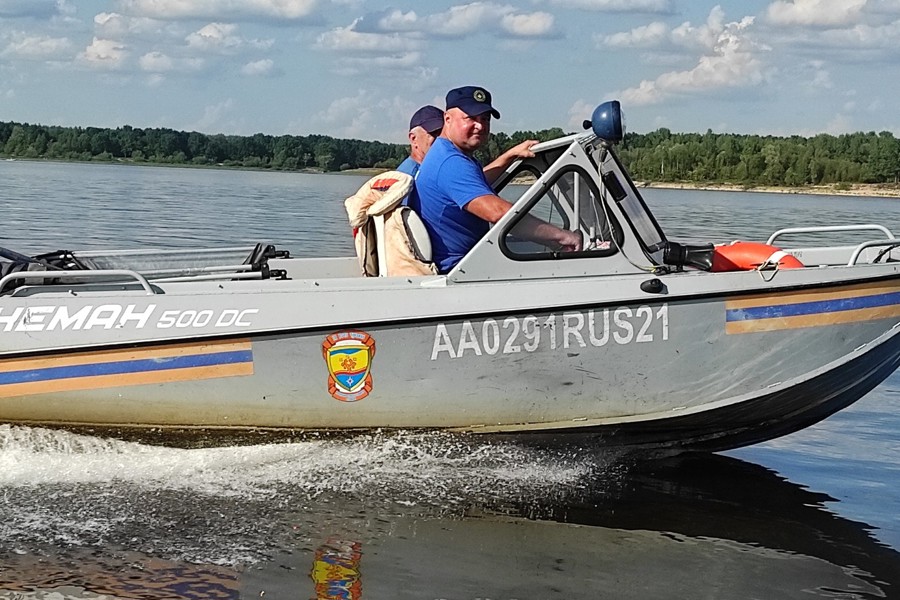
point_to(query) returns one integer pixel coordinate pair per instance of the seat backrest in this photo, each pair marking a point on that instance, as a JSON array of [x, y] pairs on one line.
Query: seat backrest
[[418, 236], [407, 247]]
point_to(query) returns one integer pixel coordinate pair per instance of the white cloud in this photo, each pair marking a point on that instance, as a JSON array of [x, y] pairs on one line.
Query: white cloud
[[882, 36], [158, 62], [258, 68], [462, 20], [732, 62], [578, 113], [37, 47], [215, 36], [646, 92], [154, 80], [406, 62], [466, 19], [214, 115], [703, 36], [819, 76], [840, 124], [222, 38], [114, 26], [815, 13], [849, 34], [365, 52], [349, 40], [104, 54], [397, 20], [537, 24], [367, 112], [629, 6], [66, 7], [218, 9], [822, 79], [646, 36], [350, 113], [658, 34]]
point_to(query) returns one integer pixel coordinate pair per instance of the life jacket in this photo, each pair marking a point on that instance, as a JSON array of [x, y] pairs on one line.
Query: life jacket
[[390, 238]]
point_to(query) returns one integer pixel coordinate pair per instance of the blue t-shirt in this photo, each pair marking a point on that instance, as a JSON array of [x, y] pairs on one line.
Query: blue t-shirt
[[447, 181], [409, 166]]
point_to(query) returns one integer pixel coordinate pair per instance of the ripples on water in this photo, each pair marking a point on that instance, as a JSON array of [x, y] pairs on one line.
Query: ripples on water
[[161, 207], [242, 500]]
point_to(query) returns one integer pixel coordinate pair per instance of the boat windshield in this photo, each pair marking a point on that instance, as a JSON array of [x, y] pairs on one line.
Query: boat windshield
[[570, 201], [620, 189]]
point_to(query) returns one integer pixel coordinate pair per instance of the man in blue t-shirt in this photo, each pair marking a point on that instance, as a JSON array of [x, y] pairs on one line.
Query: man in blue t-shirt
[[425, 125], [453, 195]]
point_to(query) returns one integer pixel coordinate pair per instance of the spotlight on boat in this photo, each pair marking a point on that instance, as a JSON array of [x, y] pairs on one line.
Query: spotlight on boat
[[608, 122]]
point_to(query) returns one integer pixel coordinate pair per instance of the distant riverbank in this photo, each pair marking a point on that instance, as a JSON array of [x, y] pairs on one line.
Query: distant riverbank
[[880, 190], [883, 190]]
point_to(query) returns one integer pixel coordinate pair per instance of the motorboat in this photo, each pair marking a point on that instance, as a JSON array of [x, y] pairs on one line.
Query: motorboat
[[632, 340]]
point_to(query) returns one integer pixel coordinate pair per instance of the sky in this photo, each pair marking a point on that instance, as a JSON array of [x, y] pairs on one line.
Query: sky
[[358, 69]]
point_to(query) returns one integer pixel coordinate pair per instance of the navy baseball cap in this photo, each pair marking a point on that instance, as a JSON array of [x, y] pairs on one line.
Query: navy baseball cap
[[472, 100], [430, 118]]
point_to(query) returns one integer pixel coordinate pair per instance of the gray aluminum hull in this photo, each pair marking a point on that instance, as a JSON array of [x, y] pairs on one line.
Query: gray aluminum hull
[[692, 368]]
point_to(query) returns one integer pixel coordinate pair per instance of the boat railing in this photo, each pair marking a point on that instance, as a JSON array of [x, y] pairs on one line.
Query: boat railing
[[829, 229], [887, 244], [847, 253], [110, 276]]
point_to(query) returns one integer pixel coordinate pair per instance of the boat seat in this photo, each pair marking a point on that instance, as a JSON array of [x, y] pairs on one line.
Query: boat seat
[[390, 238], [417, 233]]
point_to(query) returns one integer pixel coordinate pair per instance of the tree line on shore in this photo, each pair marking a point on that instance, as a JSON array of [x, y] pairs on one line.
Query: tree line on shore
[[656, 156], [763, 160]]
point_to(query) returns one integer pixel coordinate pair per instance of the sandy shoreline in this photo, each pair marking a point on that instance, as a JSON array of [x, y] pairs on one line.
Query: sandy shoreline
[[882, 190], [877, 190]]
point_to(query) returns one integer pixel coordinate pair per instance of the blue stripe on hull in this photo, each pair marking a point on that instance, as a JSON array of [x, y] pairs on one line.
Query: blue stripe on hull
[[812, 308], [127, 367]]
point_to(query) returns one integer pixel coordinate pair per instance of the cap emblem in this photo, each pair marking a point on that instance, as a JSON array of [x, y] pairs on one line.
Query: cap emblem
[[479, 95]]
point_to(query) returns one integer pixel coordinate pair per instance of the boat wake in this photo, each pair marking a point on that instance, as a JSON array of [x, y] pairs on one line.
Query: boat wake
[[232, 505]]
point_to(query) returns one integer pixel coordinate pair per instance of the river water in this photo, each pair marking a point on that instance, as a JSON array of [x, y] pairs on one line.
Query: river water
[[424, 516]]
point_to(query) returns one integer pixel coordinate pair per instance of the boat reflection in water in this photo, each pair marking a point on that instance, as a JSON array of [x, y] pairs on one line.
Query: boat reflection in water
[[692, 526], [335, 570], [703, 526]]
